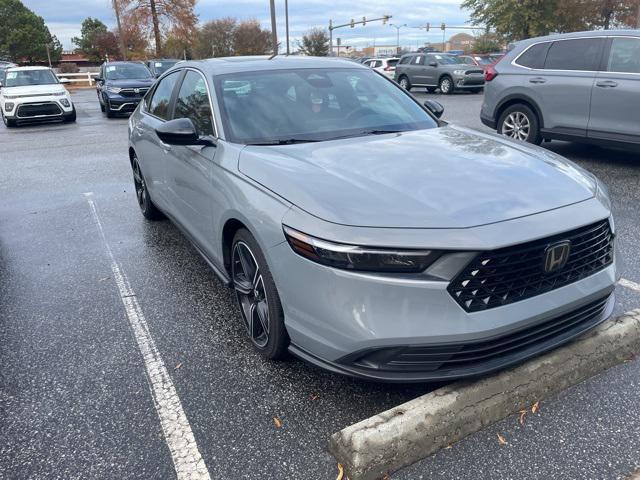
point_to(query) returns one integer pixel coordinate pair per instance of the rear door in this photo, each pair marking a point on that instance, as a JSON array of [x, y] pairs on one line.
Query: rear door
[[190, 168], [615, 114], [418, 70], [562, 87], [152, 152]]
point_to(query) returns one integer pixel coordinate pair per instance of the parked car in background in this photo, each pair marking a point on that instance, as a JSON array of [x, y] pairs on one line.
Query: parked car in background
[[438, 70], [159, 66], [362, 234], [3, 68], [386, 66], [581, 87], [483, 60], [121, 85], [31, 94]]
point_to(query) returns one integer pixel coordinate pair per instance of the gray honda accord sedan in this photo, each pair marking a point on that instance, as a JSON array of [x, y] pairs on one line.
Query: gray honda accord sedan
[[362, 233]]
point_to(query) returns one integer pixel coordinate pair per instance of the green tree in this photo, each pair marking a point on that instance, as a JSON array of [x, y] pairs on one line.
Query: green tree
[[24, 35], [95, 40], [215, 38], [488, 42], [315, 43]]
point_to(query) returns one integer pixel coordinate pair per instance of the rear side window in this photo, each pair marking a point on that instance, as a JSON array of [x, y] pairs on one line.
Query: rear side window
[[534, 56], [392, 63], [579, 54], [159, 104], [418, 60], [625, 55]]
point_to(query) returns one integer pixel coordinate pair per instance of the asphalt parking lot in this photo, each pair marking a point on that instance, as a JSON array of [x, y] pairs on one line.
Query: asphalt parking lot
[[74, 395]]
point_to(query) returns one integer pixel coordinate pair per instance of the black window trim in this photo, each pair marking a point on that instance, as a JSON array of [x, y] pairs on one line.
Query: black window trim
[[602, 65], [177, 92], [172, 98]]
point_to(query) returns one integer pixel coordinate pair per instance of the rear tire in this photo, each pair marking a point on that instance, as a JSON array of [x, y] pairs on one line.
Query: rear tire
[[257, 296], [519, 122], [147, 207], [446, 85], [404, 82]]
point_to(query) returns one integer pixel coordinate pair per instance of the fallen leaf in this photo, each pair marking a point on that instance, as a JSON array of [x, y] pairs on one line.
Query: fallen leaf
[[340, 472], [535, 407], [523, 413], [103, 279], [178, 366], [448, 447], [501, 440], [386, 477], [314, 397], [277, 422]]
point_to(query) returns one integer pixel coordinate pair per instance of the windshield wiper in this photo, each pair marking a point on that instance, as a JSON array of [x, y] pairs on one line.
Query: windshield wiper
[[286, 141]]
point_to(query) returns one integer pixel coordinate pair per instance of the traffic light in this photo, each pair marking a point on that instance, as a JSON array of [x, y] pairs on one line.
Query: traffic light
[[385, 19], [364, 21], [443, 26], [428, 26], [353, 24]]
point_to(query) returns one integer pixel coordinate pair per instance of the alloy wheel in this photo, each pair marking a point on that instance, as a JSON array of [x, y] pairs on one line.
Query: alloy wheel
[[140, 185], [250, 293], [517, 126], [445, 85], [404, 83]]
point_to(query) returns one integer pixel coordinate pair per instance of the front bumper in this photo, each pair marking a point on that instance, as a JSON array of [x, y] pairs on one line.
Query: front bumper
[[122, 104], [369, 325], [33, 109], [469, 81]]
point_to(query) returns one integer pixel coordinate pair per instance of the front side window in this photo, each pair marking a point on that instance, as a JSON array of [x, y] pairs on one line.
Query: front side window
[[270, 107], [405, 60], [193, 103], [161, 99], [23, 78], [578, 54], [625, 55], [126, 71]]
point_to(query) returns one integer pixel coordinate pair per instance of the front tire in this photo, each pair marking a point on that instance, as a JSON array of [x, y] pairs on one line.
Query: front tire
[[519, 122], [257, 297], [147, 207], [446, 85], [405, 83]]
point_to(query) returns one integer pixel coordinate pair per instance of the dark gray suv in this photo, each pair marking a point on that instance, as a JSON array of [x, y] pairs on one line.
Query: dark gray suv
[[438, 70], [580, 87]]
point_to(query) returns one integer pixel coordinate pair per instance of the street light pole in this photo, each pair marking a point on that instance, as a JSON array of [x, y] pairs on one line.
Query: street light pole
[[274, 34], [397, 27], [286, 21]]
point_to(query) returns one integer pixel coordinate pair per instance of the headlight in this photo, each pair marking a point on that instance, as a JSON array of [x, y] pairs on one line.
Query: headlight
[[65, 102], [459, 72], [352, 257], [8, 106], [114, 89]]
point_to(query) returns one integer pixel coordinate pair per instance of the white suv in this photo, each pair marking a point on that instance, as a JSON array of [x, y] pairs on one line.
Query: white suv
[[33, 94], [386, 66]]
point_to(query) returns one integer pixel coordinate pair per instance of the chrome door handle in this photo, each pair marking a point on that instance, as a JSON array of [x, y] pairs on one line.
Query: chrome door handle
[[607, 84], [538, 80]]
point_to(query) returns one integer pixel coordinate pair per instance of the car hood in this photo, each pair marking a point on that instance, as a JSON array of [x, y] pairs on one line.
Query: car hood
[[447, 177], [33, 89], [131, 83]]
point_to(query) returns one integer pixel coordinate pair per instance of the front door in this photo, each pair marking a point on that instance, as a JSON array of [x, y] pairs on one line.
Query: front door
[[614, 104]]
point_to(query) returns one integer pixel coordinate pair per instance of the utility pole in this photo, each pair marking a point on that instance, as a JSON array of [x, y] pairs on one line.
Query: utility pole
[[123, 49], [444, 31], [48, 54], [638, 16], [274, 33], [286, 22]]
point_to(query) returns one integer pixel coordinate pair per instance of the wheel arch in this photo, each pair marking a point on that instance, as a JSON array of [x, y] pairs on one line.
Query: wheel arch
[[522, 99], [229, 230]]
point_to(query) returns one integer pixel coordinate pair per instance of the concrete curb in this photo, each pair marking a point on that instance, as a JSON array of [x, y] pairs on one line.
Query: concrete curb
[[405, 434]]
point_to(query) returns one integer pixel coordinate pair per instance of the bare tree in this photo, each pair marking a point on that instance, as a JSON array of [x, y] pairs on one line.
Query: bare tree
[[315, 43], [215, 38], [249, 38]]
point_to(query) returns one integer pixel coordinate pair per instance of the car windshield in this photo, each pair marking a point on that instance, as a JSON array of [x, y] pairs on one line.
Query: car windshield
[[161, 67], [126, 71], [301, 105], [21, 78], [448, 59]]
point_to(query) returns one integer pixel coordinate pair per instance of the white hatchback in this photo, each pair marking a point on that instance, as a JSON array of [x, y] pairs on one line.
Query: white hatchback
[[386, 66], [33, 94]]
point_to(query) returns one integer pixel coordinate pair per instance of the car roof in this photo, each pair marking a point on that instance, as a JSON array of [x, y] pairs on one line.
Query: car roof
[[591, 33], [225, 65], [22, 69], [124, 62]]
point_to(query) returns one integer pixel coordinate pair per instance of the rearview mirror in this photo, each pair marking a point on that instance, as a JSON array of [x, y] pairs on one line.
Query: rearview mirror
[[180, 131], [433, 64], [434, 107]]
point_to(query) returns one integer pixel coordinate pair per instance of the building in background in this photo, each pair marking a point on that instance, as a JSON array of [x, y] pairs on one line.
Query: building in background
[[461, 41], [343, 50], [379, 51]]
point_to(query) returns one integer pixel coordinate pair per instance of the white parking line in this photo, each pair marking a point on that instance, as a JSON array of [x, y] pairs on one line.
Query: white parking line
[[629, 284], [186, 457]]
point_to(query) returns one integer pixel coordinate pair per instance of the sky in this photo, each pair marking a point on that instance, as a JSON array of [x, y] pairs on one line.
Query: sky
[[63, 17]]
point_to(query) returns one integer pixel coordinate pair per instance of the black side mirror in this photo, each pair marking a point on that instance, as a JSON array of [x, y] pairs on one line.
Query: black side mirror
[[181, 131], [433, 64], [99, 79], [434, 107]]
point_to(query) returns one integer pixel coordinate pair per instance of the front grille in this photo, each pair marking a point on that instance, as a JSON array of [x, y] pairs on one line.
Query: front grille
[[29, 110], [130, 92], [510, 274], [487, 355]]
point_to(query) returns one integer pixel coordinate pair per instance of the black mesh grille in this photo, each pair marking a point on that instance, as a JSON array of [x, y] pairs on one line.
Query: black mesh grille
[[507, 275], [492, 353], [36, 109], [130, 92]]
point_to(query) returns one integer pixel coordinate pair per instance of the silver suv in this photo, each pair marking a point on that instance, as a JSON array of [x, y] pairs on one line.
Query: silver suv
[[580, 87], [438, 70]]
